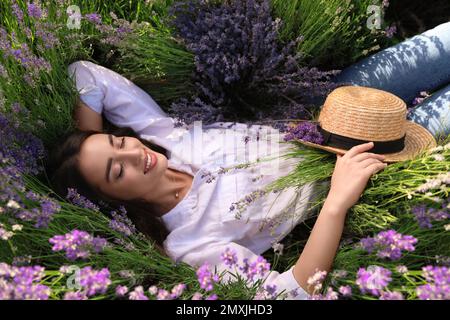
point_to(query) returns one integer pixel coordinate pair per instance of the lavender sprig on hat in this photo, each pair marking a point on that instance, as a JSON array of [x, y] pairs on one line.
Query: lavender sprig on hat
[[306, 131]]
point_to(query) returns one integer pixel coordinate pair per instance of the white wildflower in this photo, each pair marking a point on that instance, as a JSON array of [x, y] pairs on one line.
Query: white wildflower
[[13, 204], [17, 227], [402, 269], [438, 157], [436, 149], [278, 248]]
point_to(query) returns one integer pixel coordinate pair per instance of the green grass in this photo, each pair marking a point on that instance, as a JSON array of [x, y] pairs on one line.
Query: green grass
[[334, 31]]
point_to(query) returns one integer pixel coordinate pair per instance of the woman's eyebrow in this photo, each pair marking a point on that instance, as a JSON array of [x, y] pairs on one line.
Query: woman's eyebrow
[[108, 165]]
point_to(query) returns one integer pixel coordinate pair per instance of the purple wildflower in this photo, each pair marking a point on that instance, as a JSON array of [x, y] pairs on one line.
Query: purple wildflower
[[177, 291], [34, 10], [77, 244], [317, 279], [212, 297], [438, 286], [197, 296], [229, 257], [121, 223], [94, 281], [389, 244], [22, 283], [79, 200], [425, 216], [25, 149], [241, 66], [42, 216], [71, 295], [330, 295], [391, 296], [390, 31], [137, 294], [94, 18], [121, 290], [163, 295], [373, 280], [307, 131], [206, 278], [346, 291]]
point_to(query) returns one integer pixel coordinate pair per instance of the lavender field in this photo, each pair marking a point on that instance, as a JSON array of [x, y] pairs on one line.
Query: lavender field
[[249, 61]]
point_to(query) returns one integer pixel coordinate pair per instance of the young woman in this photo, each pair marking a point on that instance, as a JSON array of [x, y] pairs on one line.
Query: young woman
[[167, 178]]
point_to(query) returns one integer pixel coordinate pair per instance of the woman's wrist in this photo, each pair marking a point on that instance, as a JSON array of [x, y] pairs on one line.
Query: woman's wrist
[[334, 208]]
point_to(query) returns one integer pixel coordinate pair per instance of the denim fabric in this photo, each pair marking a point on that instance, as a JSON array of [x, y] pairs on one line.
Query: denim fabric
[[420, 63]]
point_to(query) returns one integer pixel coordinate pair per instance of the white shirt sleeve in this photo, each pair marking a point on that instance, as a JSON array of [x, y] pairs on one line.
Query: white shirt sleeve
[[285, 282], [121, 101]]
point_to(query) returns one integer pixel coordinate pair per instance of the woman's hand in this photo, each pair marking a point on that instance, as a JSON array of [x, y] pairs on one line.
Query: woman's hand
[[351, 174]]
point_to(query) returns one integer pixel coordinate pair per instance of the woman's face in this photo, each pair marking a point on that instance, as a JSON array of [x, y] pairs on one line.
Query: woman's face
[[118, 166]]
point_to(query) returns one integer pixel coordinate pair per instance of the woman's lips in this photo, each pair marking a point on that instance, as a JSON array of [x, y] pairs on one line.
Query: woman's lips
[[150, 161]]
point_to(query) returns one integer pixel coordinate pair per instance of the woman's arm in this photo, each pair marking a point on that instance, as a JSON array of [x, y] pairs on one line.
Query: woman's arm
[[86, 118], [351, 174], [119, 100]]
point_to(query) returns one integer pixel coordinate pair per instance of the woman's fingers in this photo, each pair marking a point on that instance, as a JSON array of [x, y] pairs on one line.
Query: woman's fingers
[[358, 149], [368, 162], [365, 155], [375, 168]]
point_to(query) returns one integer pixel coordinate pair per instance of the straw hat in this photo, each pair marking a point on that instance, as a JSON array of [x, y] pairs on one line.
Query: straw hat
[[353, 115]]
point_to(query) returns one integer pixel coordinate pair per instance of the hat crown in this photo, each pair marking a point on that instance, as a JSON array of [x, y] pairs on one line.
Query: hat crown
[[364, 113]]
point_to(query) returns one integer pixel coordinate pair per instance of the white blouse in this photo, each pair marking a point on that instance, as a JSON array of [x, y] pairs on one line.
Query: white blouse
[[202, 225]]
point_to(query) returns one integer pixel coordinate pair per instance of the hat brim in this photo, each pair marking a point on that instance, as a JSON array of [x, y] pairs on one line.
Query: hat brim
[[417, 140]]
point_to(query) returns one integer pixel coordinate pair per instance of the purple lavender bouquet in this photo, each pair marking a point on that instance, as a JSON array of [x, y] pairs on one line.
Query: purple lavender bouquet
[[306, 131], [242, 69]]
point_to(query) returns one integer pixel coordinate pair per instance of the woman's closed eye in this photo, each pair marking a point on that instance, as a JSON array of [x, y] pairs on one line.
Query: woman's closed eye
[[122, 145]]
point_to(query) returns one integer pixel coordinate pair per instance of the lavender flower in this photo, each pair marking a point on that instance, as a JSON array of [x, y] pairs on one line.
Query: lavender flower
[[79, 200], [373, 280], [306, 131], [259, 267], [330, 295], [121, 223], [137, 294], [22, 147], [316, 280], [34, 10], [390, 31], [206, 278], [121, 291], [22, 283], [425, 216], [71, 295], [177, 290], [94, 281], [229, 257], [240, 206], [391, 296], [242, 69], [77, 244], [346, 291], [197, 296], [42, 216], [389, 244], [438, 286], [94, 18]]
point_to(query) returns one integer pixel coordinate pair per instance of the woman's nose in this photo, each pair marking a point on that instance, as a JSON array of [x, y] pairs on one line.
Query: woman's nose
[[132, 155]]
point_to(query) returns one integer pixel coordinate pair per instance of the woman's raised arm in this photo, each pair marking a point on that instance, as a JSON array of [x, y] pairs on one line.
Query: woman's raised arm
[[86, 118], [122, 102]]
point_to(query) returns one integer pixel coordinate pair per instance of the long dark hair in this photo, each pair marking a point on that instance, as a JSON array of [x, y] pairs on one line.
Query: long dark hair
[[65, 173]]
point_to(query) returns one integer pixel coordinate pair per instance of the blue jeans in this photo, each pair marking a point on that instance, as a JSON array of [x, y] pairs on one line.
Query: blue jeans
[[420, 63]]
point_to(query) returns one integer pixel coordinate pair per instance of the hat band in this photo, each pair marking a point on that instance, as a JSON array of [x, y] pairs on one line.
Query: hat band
[[342, 142]]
